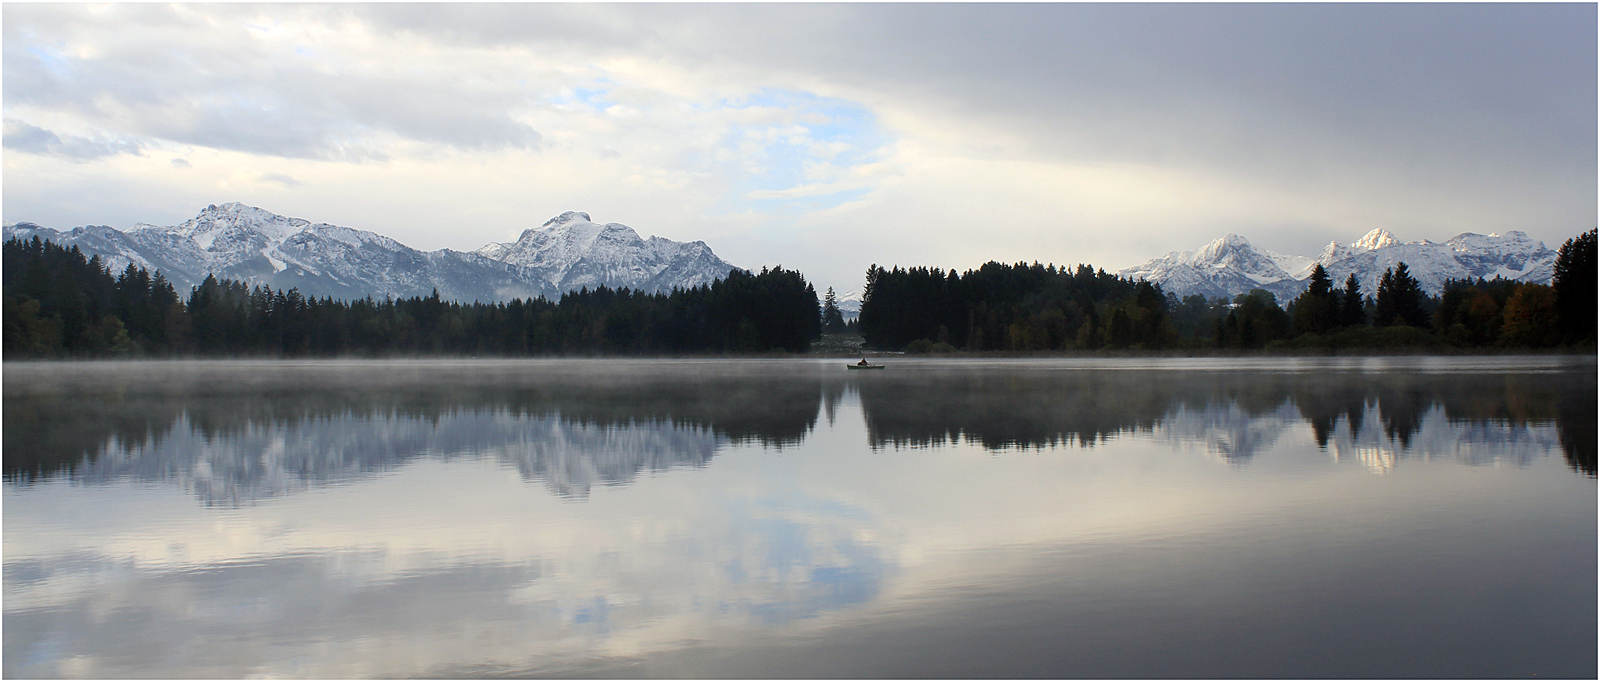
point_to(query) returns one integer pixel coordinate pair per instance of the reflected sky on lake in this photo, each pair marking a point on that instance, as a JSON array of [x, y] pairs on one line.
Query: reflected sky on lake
[[793, 519]]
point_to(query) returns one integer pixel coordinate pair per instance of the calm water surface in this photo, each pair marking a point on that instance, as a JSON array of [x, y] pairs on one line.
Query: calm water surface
[[1404, 517]]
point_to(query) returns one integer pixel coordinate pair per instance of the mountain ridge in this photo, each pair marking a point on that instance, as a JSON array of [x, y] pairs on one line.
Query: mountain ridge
[[257, 246], [1231, 265]]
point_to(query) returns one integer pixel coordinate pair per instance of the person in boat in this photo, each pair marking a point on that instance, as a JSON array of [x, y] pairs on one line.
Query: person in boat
[[863, 362]]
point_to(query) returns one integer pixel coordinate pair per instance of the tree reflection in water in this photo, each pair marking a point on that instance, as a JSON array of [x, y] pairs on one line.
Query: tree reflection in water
[[260, 429]]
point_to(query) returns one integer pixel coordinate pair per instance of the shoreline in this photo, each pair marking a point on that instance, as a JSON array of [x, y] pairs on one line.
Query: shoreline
[[835, 355]]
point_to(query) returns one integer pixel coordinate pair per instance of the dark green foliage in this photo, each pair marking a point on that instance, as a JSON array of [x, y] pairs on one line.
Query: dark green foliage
[[1471, 313], [1530, 318], [1574, 284], [832, 319], [1400, 299], [58, 304], [1196, 318], [1352, 306], [1317, 310], [1255, 321], [1018, 307]]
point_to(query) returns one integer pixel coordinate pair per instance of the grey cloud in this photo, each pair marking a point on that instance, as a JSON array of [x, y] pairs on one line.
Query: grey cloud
[[181, 163], [1449, 101], [1453, 102], [236, 93], [26, 137], [1266, 89], [1463, 99]]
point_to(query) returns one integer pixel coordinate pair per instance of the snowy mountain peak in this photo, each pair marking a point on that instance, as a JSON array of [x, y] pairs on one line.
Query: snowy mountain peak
[[1228, 242], [1230, 266], [230, 225], [260, 247], [1376, 239], [571, 251], [567, 217], [1235, 252]]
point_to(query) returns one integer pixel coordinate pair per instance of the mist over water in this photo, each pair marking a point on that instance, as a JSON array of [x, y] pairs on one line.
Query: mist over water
[[1327, 517]]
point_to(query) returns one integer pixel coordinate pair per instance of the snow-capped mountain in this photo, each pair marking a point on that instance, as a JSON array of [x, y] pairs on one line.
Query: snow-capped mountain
[[849, 304], [250, 244], [570, 251], [1224, 268], [1231, 265]]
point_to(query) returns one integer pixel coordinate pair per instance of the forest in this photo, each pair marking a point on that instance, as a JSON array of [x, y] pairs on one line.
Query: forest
[[1033, 307], [57, 303], [60, 304]]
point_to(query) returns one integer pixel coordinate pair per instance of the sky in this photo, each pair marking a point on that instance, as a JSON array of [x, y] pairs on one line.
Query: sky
[[819, 137]]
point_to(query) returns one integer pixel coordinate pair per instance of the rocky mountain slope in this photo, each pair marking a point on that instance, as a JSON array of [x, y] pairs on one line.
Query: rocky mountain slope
[[570, 251], [260, 247]]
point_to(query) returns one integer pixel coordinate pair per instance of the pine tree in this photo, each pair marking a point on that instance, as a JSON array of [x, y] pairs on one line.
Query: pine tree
[[832, 319], [1400, 299], [1352, 310], [1314, 311], [1574, 284]]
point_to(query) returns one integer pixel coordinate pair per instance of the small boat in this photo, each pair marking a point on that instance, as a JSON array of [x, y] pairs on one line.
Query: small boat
[[863, 365]]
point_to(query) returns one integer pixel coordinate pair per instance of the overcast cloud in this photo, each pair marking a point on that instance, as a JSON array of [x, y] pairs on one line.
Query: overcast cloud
[[818, 136]]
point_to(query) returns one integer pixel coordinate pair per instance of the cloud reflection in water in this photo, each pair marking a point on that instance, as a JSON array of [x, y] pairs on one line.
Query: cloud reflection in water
[[358, 524]]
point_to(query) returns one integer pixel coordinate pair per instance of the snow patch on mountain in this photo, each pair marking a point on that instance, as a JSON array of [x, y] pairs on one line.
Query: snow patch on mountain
[[1222, 268], [1231, 265], [1378, 238], [571, 251], [260, 247]]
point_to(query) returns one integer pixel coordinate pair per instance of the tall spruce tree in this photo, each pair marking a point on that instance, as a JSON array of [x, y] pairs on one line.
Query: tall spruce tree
[[1400, 299], [1314, 310], [1352, 307], [832, 319], [1574, 284]]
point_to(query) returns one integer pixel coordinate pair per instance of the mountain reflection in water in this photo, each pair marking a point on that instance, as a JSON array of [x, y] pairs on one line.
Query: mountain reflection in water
[[237, 432], [788, 518]]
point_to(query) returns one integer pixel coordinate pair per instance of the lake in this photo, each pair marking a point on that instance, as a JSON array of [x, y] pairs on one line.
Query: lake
[[1310, 517]]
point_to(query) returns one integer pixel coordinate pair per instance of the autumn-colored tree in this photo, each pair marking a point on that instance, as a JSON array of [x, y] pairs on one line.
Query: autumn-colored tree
[[1530, 318]]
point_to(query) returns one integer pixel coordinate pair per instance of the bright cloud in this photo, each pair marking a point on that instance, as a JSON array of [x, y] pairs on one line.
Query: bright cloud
[[821, 137]]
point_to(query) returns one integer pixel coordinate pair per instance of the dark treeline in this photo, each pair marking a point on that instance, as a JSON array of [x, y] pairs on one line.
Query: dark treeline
[[1041, 307], [1012, 307], [57, 303]]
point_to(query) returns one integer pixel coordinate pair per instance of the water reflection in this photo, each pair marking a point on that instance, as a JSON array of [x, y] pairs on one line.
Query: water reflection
[[238, 433], [756, 518], [242, 436], [1474, 417]]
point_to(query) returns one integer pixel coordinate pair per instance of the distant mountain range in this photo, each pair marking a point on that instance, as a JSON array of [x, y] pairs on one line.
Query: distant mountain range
[[1231, 265], [250, 244], [571, 251]]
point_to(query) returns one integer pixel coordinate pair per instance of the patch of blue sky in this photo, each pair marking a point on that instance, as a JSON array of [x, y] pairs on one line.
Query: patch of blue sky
[[596, 98], [50, 59], [800, 155]]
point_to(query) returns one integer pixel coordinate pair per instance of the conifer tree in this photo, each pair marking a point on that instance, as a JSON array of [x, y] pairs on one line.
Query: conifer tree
[[1314, 311], [1400, 299], [1574, 284], [832, 319], [1352, 311]]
